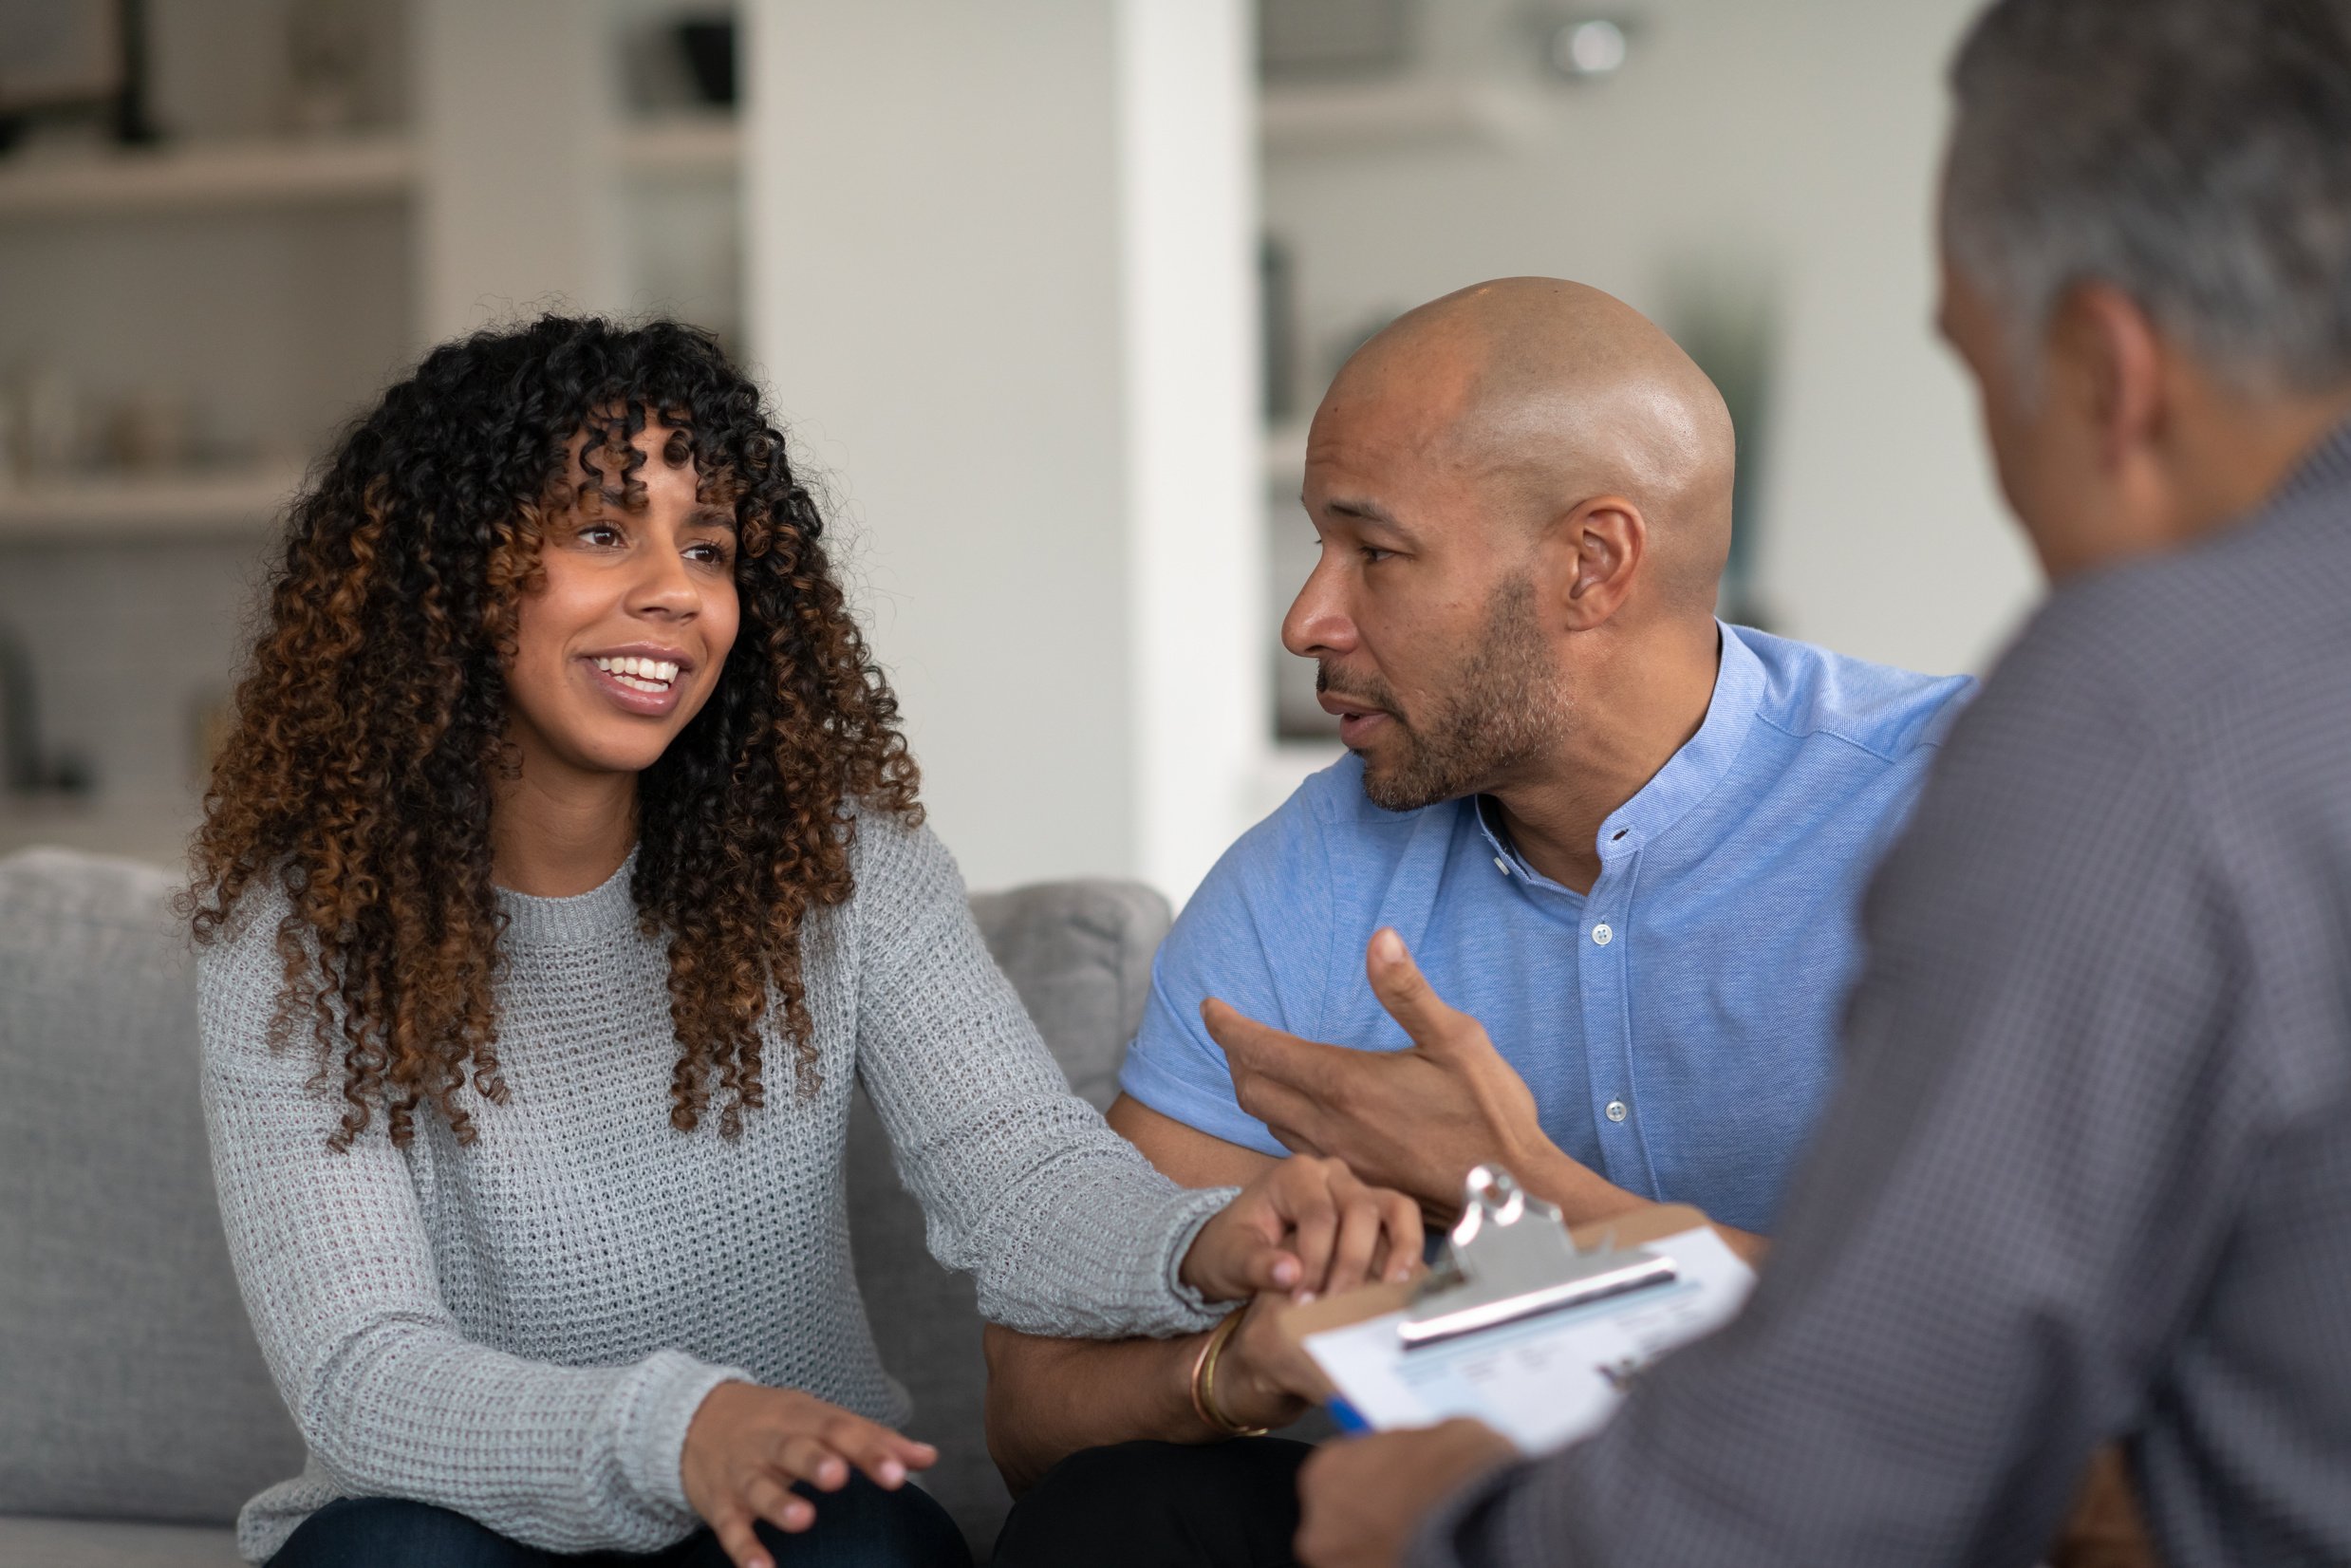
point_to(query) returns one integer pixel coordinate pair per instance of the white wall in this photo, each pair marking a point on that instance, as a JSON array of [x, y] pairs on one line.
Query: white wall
[[1795, 140], [998, 266]]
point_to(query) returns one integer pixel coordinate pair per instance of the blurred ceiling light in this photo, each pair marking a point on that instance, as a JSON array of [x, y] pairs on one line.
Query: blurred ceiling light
[[1588, 49]]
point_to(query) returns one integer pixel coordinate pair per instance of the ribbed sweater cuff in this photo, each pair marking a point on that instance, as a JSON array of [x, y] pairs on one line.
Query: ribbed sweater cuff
[[1199, 1209], [652, 1445]]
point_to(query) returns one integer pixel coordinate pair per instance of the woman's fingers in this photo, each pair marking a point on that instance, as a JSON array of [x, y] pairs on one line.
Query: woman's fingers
[[882, 1454], [813, 1460], [734, 1533], [1362, 1225], [767, 1496], [1312, 1207], [1401, 1224]]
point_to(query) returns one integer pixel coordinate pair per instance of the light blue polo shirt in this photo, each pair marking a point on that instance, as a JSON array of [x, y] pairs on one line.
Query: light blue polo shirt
[[1678, 1023]]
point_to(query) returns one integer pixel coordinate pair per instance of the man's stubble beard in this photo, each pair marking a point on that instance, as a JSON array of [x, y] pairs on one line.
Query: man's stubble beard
[[1502, 706]]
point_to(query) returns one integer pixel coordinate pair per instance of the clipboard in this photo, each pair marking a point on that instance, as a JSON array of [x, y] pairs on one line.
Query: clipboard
[[1531, 1327]]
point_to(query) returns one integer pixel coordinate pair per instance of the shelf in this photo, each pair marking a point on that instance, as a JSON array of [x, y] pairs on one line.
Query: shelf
[[240, 503], [199, 176], [1383, 115], [687, 145]]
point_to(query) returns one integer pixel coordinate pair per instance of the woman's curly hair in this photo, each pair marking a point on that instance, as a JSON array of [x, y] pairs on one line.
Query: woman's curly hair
[[370, 723]]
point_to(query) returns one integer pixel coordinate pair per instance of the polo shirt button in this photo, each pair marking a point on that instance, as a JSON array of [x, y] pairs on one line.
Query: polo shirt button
[[1602, 935], [1617, 1111]]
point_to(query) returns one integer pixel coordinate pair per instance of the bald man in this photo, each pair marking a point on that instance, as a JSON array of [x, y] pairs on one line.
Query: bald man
[[1581, 900]]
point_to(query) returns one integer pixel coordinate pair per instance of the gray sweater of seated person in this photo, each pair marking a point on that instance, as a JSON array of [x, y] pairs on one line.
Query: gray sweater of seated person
[[520, 1330]]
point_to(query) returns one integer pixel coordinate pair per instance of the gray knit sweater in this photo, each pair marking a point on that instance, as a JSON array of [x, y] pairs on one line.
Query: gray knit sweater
[[520, 1330]]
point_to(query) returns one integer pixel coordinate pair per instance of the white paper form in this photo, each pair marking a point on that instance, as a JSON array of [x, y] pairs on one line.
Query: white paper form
[[1547, 1380]]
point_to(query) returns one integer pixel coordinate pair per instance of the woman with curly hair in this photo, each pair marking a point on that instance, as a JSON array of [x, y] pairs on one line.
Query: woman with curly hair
[[562, 872]]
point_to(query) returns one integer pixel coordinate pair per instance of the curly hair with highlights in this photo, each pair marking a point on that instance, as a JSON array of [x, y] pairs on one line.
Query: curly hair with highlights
[[370, 724]]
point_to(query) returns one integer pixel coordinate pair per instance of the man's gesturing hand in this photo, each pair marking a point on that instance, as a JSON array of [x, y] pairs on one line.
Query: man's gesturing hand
[[1364, 1498], [1415, 1119], [1307, 1227], [747, 1445]]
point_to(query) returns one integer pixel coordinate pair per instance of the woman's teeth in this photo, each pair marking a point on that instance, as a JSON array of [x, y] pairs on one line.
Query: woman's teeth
[[647, 675]]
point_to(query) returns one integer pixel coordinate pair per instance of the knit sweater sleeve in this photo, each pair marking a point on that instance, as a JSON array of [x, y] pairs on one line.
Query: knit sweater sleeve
[[1067, 1229], [333, 1256]]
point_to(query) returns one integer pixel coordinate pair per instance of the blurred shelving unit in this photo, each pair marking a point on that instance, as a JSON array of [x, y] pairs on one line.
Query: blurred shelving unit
[[242, 288], [1316, 117], [231, 504], [204, 177], [706, 146]]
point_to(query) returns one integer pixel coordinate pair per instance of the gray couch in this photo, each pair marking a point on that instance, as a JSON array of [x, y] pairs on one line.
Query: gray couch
[[135, 1412]]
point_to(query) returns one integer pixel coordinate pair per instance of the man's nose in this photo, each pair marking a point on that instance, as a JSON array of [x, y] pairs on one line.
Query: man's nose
[[1317, 622]]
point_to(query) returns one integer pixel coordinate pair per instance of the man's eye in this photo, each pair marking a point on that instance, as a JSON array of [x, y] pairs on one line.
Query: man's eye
[[1373, 554]]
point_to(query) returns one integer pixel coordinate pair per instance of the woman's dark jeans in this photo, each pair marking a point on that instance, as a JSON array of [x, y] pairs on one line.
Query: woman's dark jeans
[[859, 1526]]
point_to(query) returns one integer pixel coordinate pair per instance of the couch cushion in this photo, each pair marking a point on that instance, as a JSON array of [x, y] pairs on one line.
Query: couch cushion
[[92, 1543], [1079, 953], [130, 1384]]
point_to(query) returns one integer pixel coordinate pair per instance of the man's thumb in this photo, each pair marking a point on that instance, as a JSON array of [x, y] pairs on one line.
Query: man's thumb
[[1405, 992]]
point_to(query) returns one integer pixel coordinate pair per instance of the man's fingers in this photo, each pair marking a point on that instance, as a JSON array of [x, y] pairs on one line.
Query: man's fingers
[[1259, 1048], [1405, 992], [1288, 1137], [1282, 1107]]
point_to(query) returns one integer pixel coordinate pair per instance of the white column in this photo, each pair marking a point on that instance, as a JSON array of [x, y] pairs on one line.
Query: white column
[[1001, 290], [517, 106], [1194, 429]]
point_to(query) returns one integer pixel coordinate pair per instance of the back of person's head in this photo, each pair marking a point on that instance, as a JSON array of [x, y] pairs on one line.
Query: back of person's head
[[2193, 154]]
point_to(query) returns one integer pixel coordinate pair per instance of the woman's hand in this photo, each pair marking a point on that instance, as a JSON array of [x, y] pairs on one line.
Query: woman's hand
[[747, 1445], [1307, 1228]]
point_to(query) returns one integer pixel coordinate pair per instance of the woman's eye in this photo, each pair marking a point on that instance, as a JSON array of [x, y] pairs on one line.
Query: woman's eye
[[600, 533]]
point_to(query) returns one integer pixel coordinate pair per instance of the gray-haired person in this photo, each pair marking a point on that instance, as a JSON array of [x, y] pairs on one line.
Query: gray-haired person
[[2088, 1175]]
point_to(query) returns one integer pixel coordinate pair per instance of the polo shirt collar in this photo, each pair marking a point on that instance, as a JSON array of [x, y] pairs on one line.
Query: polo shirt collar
[[1689, 774]]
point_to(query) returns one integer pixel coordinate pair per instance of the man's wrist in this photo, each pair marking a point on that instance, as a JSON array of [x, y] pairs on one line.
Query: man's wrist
[[1581, 1193]]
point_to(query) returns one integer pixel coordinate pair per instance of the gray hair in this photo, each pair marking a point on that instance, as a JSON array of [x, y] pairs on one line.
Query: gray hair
[[2193, 154]]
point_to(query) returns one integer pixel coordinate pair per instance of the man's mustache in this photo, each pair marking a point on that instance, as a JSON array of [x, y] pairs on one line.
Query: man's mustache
[[1371, 693]]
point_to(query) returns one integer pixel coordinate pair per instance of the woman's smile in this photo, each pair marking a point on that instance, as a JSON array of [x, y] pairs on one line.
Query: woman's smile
[[640, 680]]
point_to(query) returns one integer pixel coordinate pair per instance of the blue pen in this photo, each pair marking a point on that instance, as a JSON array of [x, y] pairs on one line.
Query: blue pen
[[1349, 1418]]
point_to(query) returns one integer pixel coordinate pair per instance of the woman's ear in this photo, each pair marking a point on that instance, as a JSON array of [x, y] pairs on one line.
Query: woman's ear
[[1596, 552]]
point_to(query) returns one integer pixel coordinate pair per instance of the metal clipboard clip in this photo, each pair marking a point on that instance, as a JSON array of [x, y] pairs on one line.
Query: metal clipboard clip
[[1510, 1257]]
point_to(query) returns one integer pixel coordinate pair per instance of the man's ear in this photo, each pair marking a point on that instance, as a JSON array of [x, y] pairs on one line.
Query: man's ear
[[1598, 550], [2105, 345]]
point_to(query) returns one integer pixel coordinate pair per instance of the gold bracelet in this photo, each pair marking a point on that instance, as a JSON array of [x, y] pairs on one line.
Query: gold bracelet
[[1203, 1380]]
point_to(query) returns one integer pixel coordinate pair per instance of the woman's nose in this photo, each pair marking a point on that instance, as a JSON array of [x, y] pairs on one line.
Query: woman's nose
[[665, 587]]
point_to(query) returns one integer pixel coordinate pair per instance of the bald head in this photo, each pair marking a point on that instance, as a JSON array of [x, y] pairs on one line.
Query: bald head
[[1553, 394]]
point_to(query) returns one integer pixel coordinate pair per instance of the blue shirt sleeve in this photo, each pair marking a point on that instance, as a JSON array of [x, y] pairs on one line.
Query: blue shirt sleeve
[[1257, 935]]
